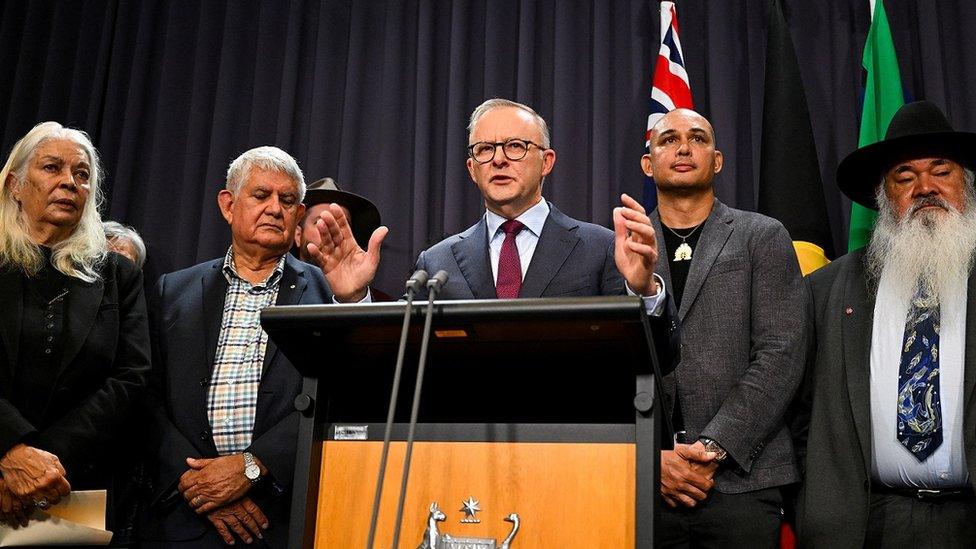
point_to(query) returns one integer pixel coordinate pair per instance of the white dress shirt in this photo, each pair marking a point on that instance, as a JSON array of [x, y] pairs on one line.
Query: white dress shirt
[[891, 463]]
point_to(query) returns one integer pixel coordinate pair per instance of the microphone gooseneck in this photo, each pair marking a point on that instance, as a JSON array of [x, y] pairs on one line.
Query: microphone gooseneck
[[416, 282], [434, 286]]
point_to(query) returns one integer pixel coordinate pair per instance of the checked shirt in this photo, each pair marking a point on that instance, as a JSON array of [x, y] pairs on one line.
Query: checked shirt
[[238, 365]]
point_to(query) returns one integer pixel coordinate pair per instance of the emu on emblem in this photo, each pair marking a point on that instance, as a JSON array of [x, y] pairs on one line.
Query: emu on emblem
[[433, 539]]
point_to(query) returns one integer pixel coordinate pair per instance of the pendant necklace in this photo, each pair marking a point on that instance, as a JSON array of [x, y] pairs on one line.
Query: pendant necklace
[[684, 251]]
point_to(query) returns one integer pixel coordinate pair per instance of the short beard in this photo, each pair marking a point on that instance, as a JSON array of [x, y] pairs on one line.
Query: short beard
[[684, 190], [930, 250]]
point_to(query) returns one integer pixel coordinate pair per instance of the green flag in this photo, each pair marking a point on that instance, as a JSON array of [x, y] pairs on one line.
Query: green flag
[[882, 97]]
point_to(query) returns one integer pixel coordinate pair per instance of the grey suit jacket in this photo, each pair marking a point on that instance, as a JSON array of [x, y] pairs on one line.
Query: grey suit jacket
[[741, 318], [572, 258], [833, 427]]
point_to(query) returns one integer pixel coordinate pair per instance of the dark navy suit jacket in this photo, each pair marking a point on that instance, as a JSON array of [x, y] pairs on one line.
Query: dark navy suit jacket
[[186, 308], [572, 258]]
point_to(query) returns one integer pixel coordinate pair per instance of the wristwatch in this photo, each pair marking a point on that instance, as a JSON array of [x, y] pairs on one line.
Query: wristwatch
[[712, 446], [251, 469]]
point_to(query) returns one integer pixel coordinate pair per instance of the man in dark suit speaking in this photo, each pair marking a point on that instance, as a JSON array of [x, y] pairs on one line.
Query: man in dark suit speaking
[[523, 246], [736, 282]]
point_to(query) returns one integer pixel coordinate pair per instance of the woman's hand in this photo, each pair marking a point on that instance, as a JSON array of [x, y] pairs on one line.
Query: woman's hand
[[35, 474], [14, 511]]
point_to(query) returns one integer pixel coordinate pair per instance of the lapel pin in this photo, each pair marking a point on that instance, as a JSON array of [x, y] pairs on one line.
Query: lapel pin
[[849, 311], [292, 286]]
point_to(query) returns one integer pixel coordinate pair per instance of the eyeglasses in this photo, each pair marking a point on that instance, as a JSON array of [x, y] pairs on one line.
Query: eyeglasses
[[514, 149]]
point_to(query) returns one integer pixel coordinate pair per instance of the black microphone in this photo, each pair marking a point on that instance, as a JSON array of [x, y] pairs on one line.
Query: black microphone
[[415, 283], [434, 286], [417, 280]]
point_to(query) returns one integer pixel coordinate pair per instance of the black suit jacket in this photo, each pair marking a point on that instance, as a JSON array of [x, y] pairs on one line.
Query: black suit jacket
[[186, 310], [103, 369]]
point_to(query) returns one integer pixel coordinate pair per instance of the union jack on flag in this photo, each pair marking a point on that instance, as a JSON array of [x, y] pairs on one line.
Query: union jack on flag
[[670, 90]]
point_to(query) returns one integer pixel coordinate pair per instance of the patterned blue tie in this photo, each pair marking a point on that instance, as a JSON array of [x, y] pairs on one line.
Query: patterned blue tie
[[919, 405]]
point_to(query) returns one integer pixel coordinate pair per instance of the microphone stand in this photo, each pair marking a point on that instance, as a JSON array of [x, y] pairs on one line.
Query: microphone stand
[[434, 286], [415, 282]]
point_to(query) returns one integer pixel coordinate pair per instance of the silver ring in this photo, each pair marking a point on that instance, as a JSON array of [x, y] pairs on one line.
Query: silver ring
[[42, 503]]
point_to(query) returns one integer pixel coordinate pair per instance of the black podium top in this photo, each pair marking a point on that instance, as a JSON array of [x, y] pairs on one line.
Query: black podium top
[[564, 360]]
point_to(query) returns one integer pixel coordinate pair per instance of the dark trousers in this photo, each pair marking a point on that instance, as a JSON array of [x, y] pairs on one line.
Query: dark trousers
[[904, 521], [210, 540], [750, 519]]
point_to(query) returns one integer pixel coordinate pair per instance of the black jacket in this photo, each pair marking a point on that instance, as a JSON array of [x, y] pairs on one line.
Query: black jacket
[[104, 367]]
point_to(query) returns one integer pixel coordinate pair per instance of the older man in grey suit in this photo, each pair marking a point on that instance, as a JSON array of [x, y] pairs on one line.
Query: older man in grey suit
[[736, 281]]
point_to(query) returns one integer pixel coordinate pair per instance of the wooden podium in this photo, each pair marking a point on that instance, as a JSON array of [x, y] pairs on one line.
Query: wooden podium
[[538, 407]]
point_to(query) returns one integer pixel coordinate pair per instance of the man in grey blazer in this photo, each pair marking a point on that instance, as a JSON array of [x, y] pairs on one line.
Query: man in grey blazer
[[887, 422], [736, 282], [523, 246]]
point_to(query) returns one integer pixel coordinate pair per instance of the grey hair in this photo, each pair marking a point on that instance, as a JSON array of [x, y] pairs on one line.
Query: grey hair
[[269, 159], [79, 255], [117, 231], [496, 103]]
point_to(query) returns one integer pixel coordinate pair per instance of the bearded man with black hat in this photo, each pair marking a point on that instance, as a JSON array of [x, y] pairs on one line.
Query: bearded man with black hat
[[887, 422]]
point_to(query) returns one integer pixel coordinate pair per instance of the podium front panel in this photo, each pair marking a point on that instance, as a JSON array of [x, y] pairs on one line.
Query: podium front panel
[[567, 495]]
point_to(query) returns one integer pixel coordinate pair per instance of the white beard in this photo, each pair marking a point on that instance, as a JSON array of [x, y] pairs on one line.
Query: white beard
[[932, 248]]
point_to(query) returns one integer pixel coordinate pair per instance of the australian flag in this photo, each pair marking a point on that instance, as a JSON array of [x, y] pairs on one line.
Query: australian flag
[[671, 89]]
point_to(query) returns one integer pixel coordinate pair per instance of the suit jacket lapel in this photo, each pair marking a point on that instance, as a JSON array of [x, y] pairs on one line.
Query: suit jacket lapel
[[12, 307], [471, 254], [663, 270], [969, 381], [557, 241], [663, 265], [82, 303], [214, 288], [714, 235], [290, 290], [213, 292], [857, 326]]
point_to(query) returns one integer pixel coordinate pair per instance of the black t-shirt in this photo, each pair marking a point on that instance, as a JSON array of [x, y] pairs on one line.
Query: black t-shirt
[[679, 269], [679, 275]]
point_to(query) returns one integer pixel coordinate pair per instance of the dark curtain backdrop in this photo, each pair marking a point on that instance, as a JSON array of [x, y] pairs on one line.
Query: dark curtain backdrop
[[377, 94]]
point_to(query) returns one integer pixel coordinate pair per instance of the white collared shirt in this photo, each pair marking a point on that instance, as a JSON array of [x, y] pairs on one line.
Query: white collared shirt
[[891, 463], [534, 219]]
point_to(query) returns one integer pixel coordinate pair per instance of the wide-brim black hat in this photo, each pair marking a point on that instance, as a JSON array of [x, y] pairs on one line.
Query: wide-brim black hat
[[365, 215], [917, 130]]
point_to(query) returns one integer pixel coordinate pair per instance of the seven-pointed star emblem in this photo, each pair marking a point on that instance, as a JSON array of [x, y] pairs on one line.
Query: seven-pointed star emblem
[[470, 507]]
